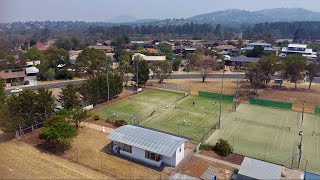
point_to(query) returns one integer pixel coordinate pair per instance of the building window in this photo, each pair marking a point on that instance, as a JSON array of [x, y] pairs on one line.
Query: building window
[[152, 156], [179, 150], [127, 148]]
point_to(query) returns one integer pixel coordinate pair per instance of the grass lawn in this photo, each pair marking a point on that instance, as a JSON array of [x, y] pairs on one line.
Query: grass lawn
[[265, 142]]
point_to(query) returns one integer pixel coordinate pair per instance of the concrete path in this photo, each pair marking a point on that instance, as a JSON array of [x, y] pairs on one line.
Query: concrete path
[[217, 161], [97, 127]]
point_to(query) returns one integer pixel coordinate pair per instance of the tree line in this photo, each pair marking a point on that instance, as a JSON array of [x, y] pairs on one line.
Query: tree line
[[293, 68]]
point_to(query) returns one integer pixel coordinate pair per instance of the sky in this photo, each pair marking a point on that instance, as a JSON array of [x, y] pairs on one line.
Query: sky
[[107, 10]]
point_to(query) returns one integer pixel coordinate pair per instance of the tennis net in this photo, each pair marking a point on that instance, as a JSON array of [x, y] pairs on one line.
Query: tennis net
[[284, 128], [315, 133]]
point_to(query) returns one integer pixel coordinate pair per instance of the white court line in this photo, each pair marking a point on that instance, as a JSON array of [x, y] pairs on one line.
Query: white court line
[[284, 133], [275, 139]]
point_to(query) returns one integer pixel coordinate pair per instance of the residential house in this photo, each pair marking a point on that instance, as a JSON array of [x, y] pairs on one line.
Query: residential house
[[300, 49], [106, 49], [12, 76], [41, 46], [149, 59], [241, 60], [148, 146], [267, 47], [227, 49]]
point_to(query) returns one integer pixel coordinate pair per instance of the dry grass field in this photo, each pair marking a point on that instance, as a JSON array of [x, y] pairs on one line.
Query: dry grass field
[[273, 92], [19, 160], [91, 147]]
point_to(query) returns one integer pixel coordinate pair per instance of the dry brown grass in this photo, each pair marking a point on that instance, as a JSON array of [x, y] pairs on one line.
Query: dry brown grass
[[286, 94], [19, 160], [92, 152]]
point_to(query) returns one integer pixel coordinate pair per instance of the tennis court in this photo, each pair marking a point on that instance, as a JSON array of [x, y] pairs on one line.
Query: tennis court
[[137, 106], [192, 117], [273, 135]]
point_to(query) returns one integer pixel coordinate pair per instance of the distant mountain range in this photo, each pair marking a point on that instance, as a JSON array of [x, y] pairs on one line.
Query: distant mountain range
[[235, 17]]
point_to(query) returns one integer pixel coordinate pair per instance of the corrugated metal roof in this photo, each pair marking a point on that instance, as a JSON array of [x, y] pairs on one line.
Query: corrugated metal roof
[[259, 169], [311, 176], [244, 59], [210, 173], [150, 140]]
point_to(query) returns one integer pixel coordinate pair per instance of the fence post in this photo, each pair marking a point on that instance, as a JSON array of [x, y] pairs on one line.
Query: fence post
[[265, 151], [32, 128]]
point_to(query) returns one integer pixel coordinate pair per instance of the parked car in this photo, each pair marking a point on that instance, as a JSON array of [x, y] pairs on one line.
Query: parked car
[[226, 57], [16, 90]]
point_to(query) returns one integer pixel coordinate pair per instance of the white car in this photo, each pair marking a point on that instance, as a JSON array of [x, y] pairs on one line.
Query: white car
[[57, 108], [16, 90], [226, 57]]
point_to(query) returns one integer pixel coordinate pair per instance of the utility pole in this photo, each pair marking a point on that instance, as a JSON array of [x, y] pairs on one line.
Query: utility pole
[[221, 101]]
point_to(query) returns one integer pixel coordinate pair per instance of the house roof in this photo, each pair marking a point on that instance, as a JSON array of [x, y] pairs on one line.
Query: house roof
[[229, 47], [32, 70], [11, 75], [259, 169], [149, 58], [106, 48], [210, 173], [41, 47], [152, 50], [150, 140], [244, 59]]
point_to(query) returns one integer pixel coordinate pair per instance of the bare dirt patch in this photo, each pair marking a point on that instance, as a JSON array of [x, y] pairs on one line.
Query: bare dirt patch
[[198, 166], [232, 158]]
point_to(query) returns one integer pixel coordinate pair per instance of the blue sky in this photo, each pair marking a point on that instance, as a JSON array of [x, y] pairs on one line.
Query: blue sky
[[104, 10]]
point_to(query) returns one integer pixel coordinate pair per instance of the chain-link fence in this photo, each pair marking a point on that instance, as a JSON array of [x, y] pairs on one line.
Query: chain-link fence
[[169, 87]]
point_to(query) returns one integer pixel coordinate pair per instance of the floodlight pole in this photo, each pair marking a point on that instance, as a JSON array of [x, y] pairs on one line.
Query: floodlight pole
[[221, 100], [137, 76], [108, 84], [300, 148], [302, 113]]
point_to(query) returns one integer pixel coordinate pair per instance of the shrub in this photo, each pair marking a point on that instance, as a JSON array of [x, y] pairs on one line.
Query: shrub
[[65, 74], [206, 147], [223, 148], [96, 117], [119, 123]]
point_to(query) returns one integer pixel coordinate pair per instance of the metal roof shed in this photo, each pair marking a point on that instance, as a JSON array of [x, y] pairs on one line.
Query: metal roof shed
[[144, 140], [311, 176], [256, 169]]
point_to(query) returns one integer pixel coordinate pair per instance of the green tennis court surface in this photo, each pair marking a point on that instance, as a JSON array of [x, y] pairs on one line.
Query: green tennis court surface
[[273, 135], [189, 116]]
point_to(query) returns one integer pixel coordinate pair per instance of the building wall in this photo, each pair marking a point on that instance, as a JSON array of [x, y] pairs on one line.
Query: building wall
[[179, 154]]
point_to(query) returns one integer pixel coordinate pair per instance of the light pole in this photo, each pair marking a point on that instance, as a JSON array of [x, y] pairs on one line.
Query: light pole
[[137, 76], [108, 80], [300, 148], [221, 100]]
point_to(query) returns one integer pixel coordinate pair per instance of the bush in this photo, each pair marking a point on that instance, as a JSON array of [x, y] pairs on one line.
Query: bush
[[206, 147], [96, 117], [119, 123], [223, 148], [65, 74]]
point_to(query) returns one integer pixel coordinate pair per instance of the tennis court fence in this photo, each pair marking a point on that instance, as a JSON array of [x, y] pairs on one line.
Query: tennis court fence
[[284, 128], [215, 95], [270, 103], [317, 110], [169, 87]]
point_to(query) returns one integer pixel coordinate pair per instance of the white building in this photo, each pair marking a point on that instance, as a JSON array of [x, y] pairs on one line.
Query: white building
[[149, 59], [300, 49], [148, 146], [251, 46]]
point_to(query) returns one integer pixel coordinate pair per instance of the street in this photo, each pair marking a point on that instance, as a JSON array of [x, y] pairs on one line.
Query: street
[[175, 76]]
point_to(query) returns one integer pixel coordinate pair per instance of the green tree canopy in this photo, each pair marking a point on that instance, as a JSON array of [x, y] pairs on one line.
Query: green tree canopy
[[35, 54], [93, 61], [295, 68], [69, 97], [313, 68], [163, 70], [141, 68], [57, 132]]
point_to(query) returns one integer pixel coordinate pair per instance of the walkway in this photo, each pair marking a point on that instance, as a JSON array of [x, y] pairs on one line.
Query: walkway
[[97, 127], [217, 161]]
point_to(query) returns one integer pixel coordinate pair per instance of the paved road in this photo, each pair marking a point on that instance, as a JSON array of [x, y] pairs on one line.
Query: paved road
[[175, 76]]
